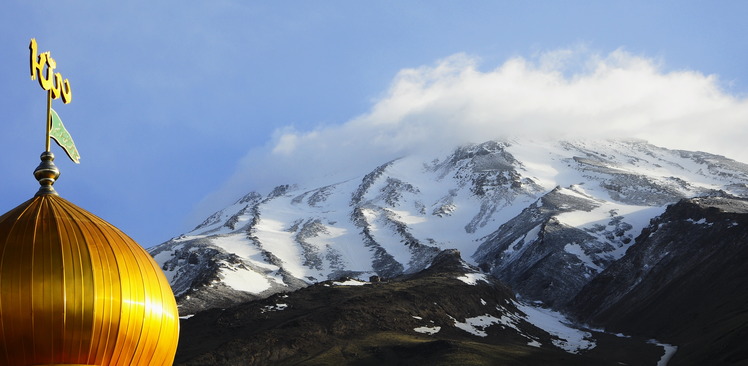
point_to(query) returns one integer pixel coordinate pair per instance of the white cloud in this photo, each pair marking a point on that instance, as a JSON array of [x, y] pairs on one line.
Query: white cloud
[[286, 143], [563, 93]]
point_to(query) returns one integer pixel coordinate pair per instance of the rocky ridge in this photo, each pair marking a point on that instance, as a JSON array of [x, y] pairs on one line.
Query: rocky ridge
[[684, 282]]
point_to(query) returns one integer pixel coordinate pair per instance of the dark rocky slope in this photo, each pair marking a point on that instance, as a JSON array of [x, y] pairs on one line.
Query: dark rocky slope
[[375, 324], [538, 267], [684, 282]]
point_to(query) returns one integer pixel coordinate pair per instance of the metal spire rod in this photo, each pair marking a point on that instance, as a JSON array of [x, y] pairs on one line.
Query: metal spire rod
[[49, 118]]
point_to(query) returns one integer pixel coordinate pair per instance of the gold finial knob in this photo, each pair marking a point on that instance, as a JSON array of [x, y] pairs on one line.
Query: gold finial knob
[[47, 173]]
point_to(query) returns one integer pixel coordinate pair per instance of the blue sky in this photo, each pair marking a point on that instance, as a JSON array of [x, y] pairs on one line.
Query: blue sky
[[181, 107]]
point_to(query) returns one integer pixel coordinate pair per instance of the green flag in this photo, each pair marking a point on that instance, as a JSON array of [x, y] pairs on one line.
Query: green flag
[[58, 132]]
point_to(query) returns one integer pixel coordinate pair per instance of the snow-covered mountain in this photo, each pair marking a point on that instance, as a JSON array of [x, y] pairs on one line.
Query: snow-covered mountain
[[545, 218]]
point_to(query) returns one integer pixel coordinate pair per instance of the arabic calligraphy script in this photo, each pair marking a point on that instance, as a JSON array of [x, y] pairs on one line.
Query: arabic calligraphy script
[[48, 79]]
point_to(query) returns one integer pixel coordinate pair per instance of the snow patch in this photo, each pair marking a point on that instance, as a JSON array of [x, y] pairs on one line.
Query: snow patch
[[245, 280], [577, 250], [700, 222], [477, 325], [569, 339], [473, 278], [669, 352], [350, 283], [534, 343], [276, 307], [428, 330]]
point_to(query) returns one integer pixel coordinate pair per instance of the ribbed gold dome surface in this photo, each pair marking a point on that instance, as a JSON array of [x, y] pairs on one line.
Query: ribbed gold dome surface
[[76, 290]]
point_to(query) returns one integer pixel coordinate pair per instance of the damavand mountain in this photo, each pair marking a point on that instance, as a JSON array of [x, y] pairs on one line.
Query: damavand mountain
[[505, 252]]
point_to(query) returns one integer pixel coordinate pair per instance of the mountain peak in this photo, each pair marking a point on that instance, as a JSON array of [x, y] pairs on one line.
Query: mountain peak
[[544, 217]]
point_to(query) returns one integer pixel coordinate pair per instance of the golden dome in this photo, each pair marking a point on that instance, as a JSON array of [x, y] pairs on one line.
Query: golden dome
[[76, 290]]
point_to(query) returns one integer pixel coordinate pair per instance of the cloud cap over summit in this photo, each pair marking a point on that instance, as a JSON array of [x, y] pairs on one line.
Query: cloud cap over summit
[[566, 93]]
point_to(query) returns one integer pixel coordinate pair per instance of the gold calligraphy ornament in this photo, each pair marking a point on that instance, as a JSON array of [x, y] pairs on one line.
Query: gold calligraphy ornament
[[49, 80], [42, 67]]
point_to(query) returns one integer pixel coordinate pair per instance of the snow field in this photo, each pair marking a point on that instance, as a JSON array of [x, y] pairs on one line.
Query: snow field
[[245, 280]]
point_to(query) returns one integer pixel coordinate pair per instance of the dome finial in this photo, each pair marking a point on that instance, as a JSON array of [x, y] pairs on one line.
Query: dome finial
[[47, 173]]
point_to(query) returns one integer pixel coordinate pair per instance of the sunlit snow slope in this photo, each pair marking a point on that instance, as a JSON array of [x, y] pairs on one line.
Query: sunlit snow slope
[[543, 217]]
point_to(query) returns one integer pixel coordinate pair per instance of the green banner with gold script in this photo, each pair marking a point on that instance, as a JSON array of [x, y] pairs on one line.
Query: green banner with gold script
[[58, 132]]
